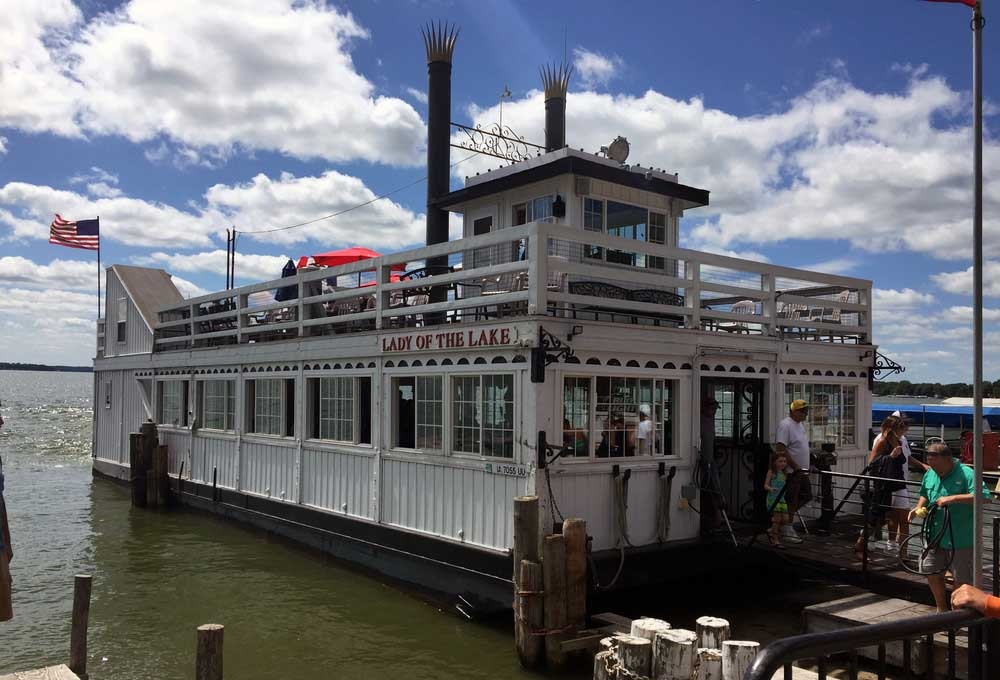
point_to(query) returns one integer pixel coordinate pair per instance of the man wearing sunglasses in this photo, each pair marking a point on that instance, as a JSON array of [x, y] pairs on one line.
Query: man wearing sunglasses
[[949, 484]]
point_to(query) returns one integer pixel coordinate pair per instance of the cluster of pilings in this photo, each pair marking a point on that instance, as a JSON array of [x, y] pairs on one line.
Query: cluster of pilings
[[655, 651], [148, 465]]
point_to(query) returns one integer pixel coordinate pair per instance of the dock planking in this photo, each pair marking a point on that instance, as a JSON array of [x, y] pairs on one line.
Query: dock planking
[[60, 672]]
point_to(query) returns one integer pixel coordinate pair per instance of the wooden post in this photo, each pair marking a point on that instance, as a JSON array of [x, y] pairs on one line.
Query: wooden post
[[709, 665], [208, 665], [150, 442], [137, 473], [737, 655], [635, 654], [78, 631], [554, 575], [161, 465], [712, 632], [674, 655], [575, 531], [605, 666], [525, 548], [648, 628], [529, 602]]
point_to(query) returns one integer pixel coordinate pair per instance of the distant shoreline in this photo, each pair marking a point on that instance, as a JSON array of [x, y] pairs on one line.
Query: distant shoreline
[[44, 367]]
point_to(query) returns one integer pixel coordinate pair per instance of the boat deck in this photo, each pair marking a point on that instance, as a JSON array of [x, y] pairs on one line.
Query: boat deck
[[60, 672]]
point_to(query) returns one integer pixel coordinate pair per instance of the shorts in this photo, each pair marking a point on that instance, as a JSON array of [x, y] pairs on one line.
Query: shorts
[[798, 491], [901, 499], [961, 564]]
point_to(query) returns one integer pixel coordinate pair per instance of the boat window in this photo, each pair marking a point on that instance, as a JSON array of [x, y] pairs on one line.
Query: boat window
[[832, 411], [271, 406], [173, 403], [593, 220], [340, 409], [483, 415], [418, 412], [620, 415], [107, 394], [121, 318], [534, 210], [480, 227], [218, 404], [624, 221]]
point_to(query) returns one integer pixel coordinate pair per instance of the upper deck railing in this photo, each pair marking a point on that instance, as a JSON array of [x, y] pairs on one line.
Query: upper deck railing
[[579, 274]]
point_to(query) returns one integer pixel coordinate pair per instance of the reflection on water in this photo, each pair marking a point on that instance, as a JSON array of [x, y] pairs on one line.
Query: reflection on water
[[157, 576]]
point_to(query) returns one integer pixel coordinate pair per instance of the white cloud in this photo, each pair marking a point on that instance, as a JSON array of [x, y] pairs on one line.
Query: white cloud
[[188, 289], [203, 78], [64, 334], [595, 68], [418, 95], [3, 145], [837, 265], [962, 314], [99, 182], [878, 171], [814, 34], [960, 282], [58, 274], [891, 301], [265, 203], [261, 203], [248, 267]]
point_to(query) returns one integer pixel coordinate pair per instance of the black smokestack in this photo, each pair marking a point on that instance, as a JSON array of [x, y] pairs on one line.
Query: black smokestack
[[556, 81], [439, 41]]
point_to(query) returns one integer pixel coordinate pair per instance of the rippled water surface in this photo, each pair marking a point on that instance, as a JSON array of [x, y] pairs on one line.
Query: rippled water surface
[[288, 613]]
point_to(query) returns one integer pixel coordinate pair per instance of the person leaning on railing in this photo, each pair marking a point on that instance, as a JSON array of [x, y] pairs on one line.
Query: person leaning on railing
[[970, 597]]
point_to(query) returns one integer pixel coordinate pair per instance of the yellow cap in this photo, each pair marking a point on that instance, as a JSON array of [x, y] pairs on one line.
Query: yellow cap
[[798, 405]]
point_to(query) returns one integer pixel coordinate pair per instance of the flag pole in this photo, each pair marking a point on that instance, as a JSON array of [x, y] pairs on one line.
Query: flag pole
[[977, 276], [99, 268]]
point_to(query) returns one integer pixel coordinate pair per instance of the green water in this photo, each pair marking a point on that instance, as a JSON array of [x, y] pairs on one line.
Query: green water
[[288, 612]]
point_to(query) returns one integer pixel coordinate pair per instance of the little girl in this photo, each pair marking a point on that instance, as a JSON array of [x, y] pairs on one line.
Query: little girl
[[773, 484]]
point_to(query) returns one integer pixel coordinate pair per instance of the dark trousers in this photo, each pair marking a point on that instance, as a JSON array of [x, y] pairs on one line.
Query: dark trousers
[[798, 491]]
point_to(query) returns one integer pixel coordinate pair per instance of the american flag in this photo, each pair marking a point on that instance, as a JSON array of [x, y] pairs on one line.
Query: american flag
[[80, 234]]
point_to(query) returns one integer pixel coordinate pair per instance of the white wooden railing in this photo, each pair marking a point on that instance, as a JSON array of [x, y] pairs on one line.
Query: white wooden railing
[[504, 274]]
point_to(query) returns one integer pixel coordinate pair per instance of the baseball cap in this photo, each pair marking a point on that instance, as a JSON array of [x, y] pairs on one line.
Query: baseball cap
[[799, 405]]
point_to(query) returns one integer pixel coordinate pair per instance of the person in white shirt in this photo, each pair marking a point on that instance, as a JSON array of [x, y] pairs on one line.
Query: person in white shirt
[[898, 524], [792, 441], [644, 432]]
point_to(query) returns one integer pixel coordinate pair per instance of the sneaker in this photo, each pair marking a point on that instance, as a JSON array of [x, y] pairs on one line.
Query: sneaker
[[892, 547], [789, 534]]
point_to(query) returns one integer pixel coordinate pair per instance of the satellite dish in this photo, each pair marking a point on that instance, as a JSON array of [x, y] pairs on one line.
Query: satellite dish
[[618, 150]]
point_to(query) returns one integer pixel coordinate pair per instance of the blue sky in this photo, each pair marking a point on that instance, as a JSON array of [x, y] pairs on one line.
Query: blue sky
[[832, 135]]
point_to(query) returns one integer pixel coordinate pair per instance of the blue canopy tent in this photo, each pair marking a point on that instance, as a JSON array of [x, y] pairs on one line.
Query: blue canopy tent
[[936, 415]]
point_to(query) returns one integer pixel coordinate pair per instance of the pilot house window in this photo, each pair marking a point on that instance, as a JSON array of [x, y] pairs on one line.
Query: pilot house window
[[624, 221]]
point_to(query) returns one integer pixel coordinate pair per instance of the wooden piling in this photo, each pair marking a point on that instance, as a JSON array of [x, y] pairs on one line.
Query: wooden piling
[[737, 655], [78, 631], [635, 654], [648, 628], [575, 532], [709, 665], [526, 544], [161, 466], [674, 655], [530, 644], [554, 576], [137, 472], [605, 666], [712, 632], [208, 665]]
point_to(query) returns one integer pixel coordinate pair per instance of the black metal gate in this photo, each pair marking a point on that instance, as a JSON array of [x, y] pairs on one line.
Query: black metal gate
[[741, 456]]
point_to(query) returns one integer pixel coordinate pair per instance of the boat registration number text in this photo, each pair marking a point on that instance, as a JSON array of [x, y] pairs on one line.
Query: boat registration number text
[[506, 469]]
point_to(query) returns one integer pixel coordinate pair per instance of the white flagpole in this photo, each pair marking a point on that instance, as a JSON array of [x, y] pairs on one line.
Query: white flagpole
[[977, 276]]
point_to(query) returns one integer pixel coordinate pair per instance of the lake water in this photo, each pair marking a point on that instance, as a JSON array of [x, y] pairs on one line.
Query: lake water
[[157, 576]]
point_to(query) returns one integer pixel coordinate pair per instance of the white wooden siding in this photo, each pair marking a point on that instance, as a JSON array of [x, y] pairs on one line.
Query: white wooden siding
[[138, 337], [125, 415], [267, 470], [445, 498], [339, 481], [178, 448]]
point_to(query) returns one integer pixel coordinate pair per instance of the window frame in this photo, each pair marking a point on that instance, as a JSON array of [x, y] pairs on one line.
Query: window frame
[[108, 392], [229, 417], [185, 398], [483, 428], [287, 416], [592, 433], [121, 317], [599, 254], [312, 410], [843, 387]]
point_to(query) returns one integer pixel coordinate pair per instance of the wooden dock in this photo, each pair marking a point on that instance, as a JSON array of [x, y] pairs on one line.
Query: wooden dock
[[60, 672], [869, 608]]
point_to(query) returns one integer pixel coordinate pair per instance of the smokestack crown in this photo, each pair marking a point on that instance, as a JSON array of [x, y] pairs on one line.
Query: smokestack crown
[[439, 41], [555, 79]]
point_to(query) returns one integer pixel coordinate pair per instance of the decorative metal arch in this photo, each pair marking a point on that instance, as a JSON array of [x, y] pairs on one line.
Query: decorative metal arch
[[884, 366]]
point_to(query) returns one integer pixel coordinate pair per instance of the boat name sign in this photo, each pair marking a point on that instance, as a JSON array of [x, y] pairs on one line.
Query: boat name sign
[[466, 338]]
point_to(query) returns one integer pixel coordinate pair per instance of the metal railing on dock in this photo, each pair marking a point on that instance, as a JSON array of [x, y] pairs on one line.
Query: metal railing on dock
[[577, 274]]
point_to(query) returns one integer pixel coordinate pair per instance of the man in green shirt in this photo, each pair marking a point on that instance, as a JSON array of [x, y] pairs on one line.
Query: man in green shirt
[[949, 484]]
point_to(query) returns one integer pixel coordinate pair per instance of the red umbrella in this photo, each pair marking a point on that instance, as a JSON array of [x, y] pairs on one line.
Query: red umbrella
[[345, 256]]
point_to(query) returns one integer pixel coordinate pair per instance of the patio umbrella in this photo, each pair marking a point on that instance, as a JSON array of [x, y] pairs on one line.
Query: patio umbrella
[[345, 256], [290, 292]]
